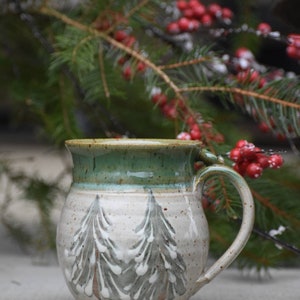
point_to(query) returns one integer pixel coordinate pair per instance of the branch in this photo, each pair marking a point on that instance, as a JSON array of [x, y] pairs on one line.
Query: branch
[[233, 90], [30, 22], [103, 35], [184, 63]]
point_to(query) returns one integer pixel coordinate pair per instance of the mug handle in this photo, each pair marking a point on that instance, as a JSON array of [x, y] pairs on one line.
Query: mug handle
[[247, 223]]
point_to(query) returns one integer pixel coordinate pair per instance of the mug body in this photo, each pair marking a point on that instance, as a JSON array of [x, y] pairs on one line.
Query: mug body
[[132, 226]]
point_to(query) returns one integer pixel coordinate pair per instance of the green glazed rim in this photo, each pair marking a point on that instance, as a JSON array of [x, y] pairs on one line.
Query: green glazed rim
[[131, 142]]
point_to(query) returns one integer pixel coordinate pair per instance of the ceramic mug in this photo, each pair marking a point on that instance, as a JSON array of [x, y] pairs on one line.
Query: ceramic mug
[[133, 226]]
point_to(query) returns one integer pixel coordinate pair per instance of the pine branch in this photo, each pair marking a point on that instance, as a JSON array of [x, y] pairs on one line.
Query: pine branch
[[113, 42], [243, 92], [178, 90], [30, 21]]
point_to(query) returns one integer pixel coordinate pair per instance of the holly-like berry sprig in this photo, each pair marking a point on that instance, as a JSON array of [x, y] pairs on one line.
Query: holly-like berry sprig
[[250, 160], [193, 14]]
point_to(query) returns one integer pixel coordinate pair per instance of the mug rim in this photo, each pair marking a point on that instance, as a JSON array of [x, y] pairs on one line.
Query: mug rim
[[131, 142]]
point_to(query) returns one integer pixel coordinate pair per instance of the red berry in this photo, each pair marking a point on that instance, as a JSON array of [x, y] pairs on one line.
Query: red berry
[[199, 11], [129, 41], [120, 35], [127, 74], [193, 3], [122, 60], [226, 13], [181, 5], [241, 143], [195, 126], [248, 76], [184, 24], [293, 52], [188, 13], [190, 120], [215, 9], [275, 161], [248, 152], [264, 127], [280, 137], [294, 40], [169, 110], [195, 132], [254, 76], [173, 28], [205, 203], [254, 170], [263, 160], [243, 52], [195, 25], [198, 165], [241, 167], [206, 20], [179, 103], [258, 151], [235, 154], [141, 66], [160, 99], [264, 28], [184, 136], [262, 82]]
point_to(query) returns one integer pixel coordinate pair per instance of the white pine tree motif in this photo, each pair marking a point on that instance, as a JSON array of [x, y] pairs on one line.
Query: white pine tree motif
[[157, 270], [96, 269]]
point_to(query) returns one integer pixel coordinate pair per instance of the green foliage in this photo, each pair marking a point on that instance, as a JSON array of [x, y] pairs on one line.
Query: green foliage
[[42, 193]]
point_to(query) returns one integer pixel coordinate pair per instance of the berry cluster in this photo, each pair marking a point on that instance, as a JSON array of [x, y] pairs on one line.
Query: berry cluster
[[243, 66], [194, 14], [128, 67], [171, 108], [250, 160], [177, 109], [200, 131], [246, 70], [271, 126], [293, 48]]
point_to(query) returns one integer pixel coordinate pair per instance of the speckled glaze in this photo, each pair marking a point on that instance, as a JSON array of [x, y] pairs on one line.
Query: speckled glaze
[[133, 227]]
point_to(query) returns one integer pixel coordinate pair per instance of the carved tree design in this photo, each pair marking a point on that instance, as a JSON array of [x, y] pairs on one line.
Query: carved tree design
[[97, 267], [157, 269]]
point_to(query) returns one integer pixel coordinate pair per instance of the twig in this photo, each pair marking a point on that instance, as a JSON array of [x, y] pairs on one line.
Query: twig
[[233, 90], [284, 245], [276, 241]]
